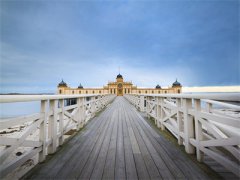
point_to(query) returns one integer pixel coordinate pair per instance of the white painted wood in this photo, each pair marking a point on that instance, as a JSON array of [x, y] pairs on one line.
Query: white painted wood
[[52, 127], [61, 119], [5, 154], [8, 141], [188, 126], [198, 129], [179, 122], [43, 131], [199, 125], [6, 169]]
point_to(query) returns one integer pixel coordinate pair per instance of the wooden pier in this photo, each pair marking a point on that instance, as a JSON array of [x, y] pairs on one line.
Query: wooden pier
[[114, 140], [118, 144]]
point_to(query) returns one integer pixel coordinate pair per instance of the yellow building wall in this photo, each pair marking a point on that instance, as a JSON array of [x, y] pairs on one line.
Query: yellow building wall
[[112, 88]]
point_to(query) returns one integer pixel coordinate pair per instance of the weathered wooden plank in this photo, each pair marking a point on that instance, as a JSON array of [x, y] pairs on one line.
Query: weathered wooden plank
[[109, 167], [56, 164], [89, 166], [100, 162], [120, 172], [159, 163], [139, 161], [131, 171], [151, 167], [179, 165], [77, 163]]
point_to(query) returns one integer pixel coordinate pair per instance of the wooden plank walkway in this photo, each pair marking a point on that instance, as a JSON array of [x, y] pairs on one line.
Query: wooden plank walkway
[[118, 144]]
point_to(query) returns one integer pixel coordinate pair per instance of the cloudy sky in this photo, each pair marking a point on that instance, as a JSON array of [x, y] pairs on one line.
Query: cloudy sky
[[86, 41]]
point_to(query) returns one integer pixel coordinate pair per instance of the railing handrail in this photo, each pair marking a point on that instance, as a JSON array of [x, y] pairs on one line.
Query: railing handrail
[[24, 98], [45, 131], [198, 123], [212, 96]]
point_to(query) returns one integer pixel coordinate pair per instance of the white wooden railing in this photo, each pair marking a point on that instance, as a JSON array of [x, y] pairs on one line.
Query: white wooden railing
[[40, 134], [204, 123]]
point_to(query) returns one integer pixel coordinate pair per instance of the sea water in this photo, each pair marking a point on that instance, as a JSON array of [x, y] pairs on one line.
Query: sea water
[[8, 110]]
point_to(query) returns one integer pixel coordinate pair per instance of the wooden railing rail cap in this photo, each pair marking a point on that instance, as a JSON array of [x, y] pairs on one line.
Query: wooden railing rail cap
[[24, 98]]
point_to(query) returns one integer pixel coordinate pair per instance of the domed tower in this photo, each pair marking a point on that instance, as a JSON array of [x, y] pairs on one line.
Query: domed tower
[[158, 87], [80, 86], [119, 78], [177, 87], [61, 87]]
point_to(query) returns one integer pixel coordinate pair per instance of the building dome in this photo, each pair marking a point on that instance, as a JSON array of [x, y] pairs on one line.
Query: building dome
[[62, 84], [80, 86], [119, 76], [176, 84], [158, 87]]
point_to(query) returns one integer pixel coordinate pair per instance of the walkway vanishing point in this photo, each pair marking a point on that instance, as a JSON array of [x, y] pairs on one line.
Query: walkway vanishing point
[[119, 144]]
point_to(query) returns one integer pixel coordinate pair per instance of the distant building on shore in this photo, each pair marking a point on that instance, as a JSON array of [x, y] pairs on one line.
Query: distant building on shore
[[119, 87]]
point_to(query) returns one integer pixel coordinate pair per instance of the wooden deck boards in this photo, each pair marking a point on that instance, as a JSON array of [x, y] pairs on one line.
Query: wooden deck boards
[[118, 144]]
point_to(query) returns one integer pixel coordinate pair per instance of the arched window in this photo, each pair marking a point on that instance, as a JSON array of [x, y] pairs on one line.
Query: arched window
[[152, 91], [145, 92], [60, 91], [86, 92], [179, 91], [93, 92], [79, 92], [139, 92], [158, 92], [72, 92], [100, 92], [165, 92]]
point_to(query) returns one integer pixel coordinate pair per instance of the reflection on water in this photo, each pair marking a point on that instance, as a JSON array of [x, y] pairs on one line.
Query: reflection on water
[[19, 109]]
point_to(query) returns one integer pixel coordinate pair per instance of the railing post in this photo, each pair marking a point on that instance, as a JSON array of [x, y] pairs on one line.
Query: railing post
[[78, 114], [61, 119], [52, 127], [158, 112], [141, 103], [209, 107], [198, 129], [188, 126], [43, 131], [162, 113], [147, 106], [179, 121], [155, 110]]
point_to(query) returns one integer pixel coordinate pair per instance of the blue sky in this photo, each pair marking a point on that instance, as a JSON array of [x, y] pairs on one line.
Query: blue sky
[[86, 41]]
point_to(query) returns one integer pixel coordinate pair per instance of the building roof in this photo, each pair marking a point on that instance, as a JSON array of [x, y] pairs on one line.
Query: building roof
[[119, 76], [176, 83], [80, 86], [158, 86], [62, 84]]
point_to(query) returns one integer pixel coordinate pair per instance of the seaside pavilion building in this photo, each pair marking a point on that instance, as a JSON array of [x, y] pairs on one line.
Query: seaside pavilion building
[[119, 87]]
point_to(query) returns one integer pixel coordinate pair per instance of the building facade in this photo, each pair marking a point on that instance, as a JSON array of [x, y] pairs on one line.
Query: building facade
[[119, 87]]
